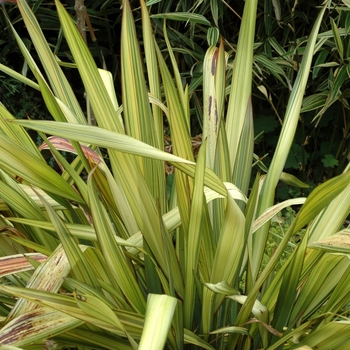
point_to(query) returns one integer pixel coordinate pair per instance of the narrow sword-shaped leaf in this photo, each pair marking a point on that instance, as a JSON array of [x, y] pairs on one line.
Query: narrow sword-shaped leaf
[[17, 160], [155, 91], [137, 111], [183, 16], [78, 264], [58, 81], [123, 143], [241, 82], [49, 277], [324, 198], [231, 247], [160, 311], [120, 269], [67, 304], [36, 325], [194, 237], [210, 106], [285, 140], [101, 103], [99, 310]]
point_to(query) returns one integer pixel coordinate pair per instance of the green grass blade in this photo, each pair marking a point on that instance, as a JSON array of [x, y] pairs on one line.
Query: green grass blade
[[337, 243], [137, 112], [157, 114], [332, 218], [102, 137], [244, 156], [123, 143], [82, 337]]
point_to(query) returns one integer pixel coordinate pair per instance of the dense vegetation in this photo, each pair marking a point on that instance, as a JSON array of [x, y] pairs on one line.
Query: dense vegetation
[[201, 184]]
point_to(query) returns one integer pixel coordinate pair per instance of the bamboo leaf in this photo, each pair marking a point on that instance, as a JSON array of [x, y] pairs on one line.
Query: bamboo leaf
[[183, 16], [313, 102], [337, 38], [213, 35]]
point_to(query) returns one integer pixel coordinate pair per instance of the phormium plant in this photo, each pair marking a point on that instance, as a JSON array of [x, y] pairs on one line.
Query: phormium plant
[[103, 256]]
